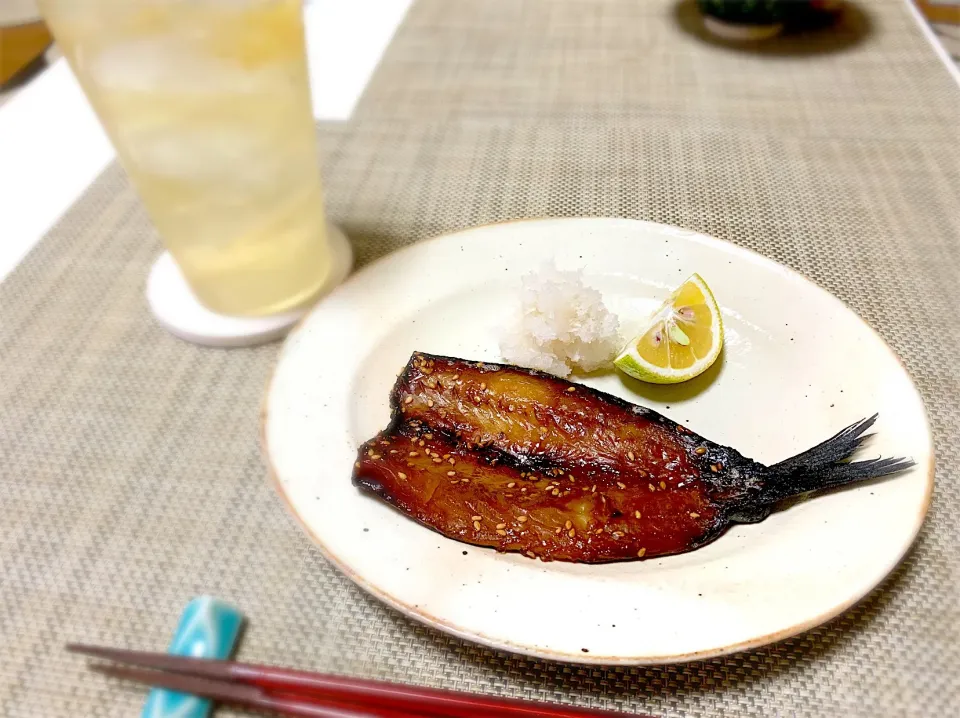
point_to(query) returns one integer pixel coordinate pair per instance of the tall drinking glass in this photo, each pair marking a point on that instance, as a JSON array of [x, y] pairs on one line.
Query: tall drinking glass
[[208, 105]]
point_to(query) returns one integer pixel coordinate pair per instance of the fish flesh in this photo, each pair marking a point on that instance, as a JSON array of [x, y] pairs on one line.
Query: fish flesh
[[522, 461]]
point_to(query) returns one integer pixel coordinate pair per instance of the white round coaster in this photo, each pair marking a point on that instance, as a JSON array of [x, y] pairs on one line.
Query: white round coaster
[[177, 308]]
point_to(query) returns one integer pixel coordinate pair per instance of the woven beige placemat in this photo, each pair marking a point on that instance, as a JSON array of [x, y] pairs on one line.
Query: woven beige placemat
[[130, 474]]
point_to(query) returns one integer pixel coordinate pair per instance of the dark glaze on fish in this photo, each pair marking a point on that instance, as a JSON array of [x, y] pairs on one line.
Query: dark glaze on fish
[[523, 461]]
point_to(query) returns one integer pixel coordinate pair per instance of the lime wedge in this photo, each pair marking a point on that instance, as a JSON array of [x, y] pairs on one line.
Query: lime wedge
[[682, 339]]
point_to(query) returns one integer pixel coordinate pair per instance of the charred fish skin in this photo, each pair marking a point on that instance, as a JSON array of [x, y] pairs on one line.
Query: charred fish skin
[[476, 499], [523, 461], [539, 420]]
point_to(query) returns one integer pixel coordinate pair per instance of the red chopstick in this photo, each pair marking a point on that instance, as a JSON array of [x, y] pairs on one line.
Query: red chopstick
[[301, 693], [250, 696]]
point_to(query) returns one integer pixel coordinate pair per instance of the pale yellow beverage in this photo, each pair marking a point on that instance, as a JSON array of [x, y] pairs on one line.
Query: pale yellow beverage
[[208, 105]]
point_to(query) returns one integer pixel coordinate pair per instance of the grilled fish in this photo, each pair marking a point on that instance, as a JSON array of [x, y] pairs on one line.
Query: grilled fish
[[519, 460]]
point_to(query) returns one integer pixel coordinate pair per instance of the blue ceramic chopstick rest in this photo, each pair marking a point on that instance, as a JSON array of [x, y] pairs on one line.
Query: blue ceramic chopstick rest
[[208, 628]]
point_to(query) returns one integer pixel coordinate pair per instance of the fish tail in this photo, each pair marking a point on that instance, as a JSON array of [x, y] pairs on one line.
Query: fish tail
[[825, 466]]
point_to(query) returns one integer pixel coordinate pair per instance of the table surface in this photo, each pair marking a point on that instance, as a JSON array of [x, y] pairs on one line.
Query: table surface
[[114, 435]]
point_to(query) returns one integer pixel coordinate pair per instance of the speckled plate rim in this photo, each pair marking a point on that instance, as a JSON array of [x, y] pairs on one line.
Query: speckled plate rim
[[418, 614]]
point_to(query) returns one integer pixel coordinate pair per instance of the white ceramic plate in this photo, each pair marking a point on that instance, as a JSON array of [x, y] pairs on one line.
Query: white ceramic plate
[[797, 367]]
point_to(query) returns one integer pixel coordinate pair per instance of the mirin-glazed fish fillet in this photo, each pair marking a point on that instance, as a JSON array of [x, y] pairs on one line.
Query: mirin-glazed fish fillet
[[522, 461]]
